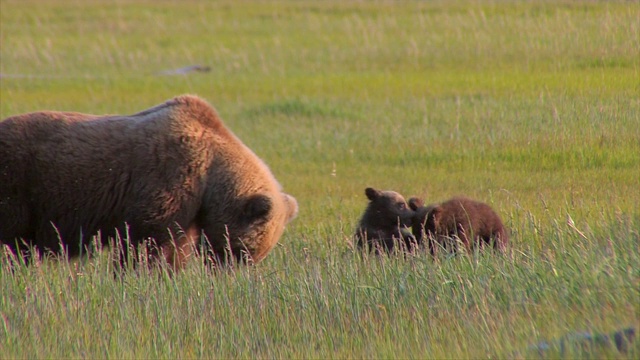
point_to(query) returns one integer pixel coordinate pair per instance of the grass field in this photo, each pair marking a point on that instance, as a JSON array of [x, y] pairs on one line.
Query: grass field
[[531, 106]]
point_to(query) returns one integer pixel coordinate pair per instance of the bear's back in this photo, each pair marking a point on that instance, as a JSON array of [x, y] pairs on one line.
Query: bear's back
[[474, 217]]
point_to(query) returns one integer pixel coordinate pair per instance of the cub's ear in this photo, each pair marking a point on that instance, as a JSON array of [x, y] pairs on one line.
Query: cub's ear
[[415, 203], [257, 207], [372, 193]]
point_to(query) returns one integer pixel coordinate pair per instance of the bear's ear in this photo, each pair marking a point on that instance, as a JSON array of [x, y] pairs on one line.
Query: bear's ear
[[257, 207], [292, 207], [372, 193], [415, 203]]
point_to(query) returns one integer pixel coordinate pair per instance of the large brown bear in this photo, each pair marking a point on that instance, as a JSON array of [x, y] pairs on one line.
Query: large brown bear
[[384, 222], [472, 222], [170, 174]]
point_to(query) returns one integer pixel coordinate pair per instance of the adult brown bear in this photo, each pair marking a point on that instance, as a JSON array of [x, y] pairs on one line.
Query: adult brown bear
[[472, 222], [169, 173]]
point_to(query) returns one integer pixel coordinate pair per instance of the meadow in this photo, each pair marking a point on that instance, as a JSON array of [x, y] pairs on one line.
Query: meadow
[[530, 106]]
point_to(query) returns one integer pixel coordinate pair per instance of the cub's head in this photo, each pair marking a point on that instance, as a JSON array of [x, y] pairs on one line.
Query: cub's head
[[387, 208], [423, 217]]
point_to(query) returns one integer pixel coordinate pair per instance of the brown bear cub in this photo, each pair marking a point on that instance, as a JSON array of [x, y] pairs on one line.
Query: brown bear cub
[[471, 222], [384, 224], [170, 175]]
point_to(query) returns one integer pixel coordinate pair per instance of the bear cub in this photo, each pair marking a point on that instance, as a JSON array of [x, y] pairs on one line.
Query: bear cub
[[385, 222], [472, 222]]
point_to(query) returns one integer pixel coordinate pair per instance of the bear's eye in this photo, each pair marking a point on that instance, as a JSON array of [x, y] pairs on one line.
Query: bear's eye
[[401, 205]]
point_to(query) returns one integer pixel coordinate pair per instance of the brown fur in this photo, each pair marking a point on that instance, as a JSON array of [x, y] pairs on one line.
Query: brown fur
[[474, 223], [383, 223], [170, 173]]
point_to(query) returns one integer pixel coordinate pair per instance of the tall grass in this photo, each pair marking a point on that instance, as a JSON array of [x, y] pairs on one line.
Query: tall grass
[[325, 300], [530, 106]]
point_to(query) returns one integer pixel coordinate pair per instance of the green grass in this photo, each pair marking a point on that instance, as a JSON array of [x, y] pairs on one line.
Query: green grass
[[532, 107]]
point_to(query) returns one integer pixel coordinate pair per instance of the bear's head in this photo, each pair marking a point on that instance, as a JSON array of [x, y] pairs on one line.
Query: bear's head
[[424, 218], [388, 209], [250, 230], [264, 219]]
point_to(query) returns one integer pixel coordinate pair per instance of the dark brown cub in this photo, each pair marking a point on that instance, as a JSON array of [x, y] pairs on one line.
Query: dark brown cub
[[384, 222], [460, 219]]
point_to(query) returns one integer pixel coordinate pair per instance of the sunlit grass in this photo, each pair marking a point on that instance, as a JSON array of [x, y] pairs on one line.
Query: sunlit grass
[[530, 106]]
